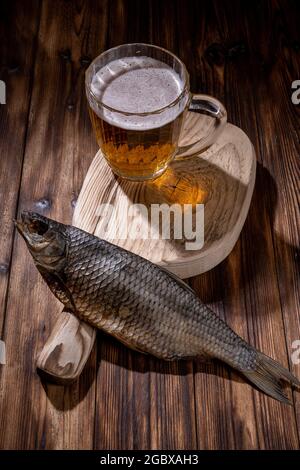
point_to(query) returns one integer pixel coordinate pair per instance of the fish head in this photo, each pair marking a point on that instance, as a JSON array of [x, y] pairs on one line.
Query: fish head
[[46, 239]]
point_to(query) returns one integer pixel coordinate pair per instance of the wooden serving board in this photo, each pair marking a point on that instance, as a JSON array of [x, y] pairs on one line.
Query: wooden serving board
[[222, 178]]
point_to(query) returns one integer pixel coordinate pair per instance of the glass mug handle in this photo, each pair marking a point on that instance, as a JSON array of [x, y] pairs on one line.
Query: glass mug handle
[[212, 107]]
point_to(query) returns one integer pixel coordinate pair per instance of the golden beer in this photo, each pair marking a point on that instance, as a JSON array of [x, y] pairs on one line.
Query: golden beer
[[137, 154], [138, 95]]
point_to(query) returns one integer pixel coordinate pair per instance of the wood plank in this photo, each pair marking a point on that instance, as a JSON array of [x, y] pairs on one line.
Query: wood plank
[[276, 126], [67, 350], [216, 406], [115, 407], [59, 144], [143, 404], [245, 55], [240, 413], [173, 420], [280, 155], [18, 30]]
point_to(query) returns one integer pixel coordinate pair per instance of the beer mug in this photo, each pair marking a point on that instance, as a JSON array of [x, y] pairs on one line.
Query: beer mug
[[138, 95]]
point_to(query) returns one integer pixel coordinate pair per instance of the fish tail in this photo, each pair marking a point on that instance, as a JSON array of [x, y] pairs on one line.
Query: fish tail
[[267, 375]]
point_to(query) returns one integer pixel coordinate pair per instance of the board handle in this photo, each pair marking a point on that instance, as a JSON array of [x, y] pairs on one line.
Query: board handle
[[67, 350], [204, 104]]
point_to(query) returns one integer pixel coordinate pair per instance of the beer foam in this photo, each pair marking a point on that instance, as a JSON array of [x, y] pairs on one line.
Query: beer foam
[[137, 85]]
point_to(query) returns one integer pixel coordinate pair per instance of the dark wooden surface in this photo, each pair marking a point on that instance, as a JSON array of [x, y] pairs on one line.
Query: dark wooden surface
[[245, 53]]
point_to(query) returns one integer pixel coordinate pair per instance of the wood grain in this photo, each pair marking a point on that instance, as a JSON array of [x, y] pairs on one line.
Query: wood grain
[[62, 359], [221, 178], [54, 162], [251, 302], [70, 343], [18, 31], [244, 53], [282, 140]]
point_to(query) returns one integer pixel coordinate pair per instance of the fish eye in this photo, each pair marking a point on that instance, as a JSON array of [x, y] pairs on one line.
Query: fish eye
[[38, 226]]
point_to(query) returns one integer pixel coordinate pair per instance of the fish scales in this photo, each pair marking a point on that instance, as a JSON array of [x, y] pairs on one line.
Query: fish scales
[[139, 303], [167, 320]]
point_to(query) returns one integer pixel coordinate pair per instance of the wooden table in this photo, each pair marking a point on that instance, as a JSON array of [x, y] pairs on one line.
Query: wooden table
[[247, 56]]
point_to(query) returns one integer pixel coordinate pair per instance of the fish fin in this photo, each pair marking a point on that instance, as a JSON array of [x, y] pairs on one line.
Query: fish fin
[[204, 358], [128, 345], [268, 376], [68, 309], [58, 287], [177, 279]]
